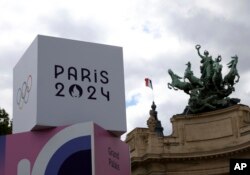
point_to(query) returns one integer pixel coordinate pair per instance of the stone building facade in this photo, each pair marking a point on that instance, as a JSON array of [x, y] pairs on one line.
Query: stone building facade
[[200, 144]]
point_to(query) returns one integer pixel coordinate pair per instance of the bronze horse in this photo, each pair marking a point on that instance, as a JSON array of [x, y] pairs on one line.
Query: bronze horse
[[233, 73], [196, 82], [177, 84]]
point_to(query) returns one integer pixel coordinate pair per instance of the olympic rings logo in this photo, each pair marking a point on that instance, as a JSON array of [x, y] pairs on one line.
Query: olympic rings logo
[[24, 92]]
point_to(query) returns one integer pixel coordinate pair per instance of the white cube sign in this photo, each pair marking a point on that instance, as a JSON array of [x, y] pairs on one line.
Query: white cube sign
[[60, 82]]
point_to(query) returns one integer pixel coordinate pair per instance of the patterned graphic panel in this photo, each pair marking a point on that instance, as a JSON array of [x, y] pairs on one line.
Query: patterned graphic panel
[[80, 149], [73, 156], [2, 154], [58, 151], [111, 154]]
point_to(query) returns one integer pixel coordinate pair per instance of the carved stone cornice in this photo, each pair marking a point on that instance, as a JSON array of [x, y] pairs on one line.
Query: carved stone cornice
[[165, 157]]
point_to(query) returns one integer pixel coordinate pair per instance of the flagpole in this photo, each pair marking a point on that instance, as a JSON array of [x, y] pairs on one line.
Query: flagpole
[[153, 95], [148, 83]]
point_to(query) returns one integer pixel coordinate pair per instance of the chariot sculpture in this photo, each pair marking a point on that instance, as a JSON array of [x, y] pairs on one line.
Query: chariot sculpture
[[211, 91]]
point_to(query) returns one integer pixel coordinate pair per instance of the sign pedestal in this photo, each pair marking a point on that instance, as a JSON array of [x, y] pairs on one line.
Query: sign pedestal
[[83, 148]]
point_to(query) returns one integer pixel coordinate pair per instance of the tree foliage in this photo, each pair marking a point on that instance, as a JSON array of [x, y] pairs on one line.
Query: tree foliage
[[5, 123]]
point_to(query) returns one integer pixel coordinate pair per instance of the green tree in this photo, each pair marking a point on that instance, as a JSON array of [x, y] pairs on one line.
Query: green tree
[[5, 123]]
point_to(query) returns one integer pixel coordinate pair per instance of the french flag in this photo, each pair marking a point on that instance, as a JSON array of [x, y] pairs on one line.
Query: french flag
[[148, 83]]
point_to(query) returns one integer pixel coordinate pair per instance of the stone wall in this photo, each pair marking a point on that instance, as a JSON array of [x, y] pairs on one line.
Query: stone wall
[[199, 144]]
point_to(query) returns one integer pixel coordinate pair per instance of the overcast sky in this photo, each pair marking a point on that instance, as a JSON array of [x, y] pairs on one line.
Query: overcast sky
[[155, 35]]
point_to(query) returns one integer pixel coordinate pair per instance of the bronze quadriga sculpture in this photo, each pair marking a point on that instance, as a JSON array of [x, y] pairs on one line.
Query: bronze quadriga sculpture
[[211, 91]]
